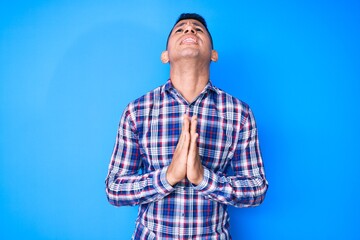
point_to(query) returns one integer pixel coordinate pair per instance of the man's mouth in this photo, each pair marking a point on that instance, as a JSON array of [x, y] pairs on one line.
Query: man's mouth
[[189, 40]]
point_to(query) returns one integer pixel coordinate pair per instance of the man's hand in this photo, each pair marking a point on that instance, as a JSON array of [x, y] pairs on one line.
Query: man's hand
[[177, 169], [186, 160], [195, 170]]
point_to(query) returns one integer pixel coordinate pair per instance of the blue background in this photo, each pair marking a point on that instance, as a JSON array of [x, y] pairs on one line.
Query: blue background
[[68, 68]]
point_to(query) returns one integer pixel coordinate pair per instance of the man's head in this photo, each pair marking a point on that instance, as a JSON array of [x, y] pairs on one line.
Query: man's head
[[189, 38], [193, 16]]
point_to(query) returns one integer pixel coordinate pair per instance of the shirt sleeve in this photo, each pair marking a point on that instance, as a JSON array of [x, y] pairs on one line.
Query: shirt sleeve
[[248, 186], [124, 184]]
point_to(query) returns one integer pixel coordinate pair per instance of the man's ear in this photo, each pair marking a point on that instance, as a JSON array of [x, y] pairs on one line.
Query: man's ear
[[214, 56], [165, 57]]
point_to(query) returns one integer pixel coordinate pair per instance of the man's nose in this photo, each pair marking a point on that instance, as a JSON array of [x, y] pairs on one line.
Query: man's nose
[[189, 28]]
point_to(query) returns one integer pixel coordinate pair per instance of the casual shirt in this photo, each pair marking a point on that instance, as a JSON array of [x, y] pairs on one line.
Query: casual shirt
[[228, 145]]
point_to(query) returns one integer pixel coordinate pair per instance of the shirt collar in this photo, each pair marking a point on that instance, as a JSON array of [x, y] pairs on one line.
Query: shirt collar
[[209, 87]]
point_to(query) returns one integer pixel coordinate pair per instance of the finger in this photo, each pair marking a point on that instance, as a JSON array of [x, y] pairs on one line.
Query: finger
[[186, 123], [181, 142], [183, 131], [182, 149], [193, 125], [193, 144], [186, 143]]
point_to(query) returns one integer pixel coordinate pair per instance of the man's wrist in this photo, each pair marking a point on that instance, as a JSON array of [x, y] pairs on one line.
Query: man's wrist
[[160, 183], [170, 179], [199, 178], [198, 181]]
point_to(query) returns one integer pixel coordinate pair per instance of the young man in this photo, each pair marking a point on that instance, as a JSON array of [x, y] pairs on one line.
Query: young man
[[184, 136]]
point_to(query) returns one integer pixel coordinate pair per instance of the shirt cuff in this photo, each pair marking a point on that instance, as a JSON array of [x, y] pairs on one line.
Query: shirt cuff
[[208, 184], [160, 183]]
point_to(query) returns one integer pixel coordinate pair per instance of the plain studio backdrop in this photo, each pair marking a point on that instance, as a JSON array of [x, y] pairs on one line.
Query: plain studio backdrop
[[68, 68]]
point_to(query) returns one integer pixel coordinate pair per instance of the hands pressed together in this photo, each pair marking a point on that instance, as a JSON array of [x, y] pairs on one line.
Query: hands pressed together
[[186, 161]]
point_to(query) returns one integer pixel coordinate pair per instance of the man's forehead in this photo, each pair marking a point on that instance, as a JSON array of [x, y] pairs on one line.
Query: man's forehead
[[192, 21]]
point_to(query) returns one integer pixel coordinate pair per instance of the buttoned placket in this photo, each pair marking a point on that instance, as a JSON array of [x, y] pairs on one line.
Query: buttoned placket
[[190, 109]]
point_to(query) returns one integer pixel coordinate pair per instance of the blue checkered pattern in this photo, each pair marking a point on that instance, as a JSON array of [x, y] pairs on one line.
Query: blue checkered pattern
[[147, 137]]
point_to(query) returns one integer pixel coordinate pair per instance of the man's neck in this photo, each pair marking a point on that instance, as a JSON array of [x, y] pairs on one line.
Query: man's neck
[[189, 78]]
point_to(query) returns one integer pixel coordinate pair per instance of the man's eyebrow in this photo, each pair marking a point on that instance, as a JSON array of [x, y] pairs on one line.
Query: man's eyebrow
[[194, 23], [180, 24], [197, 24]]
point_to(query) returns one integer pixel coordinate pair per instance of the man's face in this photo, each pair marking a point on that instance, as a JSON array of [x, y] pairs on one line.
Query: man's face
[[189, 38]]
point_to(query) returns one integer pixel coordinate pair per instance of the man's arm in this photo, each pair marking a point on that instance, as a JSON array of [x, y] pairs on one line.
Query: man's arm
[[124, 185], [248, 185]]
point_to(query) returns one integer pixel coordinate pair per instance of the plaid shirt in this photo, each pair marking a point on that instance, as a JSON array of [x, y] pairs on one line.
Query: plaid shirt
[[147, 137]]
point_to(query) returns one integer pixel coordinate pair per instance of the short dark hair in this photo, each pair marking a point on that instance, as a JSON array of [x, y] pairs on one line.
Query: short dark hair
[[194, 16]]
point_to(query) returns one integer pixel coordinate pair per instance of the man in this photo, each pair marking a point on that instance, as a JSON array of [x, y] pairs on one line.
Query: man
[[184, 136]]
